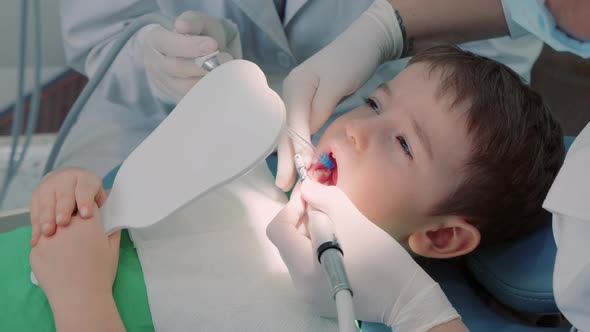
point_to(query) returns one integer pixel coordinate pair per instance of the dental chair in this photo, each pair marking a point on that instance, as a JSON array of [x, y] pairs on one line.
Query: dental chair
[[502, 288]]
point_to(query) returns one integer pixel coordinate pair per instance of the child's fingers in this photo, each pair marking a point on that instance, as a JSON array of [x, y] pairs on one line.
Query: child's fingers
[[87, 189], [101, 197], [35, 226], [65, 205], [47, 212]]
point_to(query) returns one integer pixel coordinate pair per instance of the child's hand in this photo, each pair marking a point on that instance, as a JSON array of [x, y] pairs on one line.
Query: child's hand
[[60, 194], [76, 268]]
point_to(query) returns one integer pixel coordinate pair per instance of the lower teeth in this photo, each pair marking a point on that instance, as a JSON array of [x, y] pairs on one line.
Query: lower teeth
[[321, 175]]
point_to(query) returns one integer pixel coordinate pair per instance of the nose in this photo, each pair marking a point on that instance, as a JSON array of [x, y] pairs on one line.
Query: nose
[[358, 135]]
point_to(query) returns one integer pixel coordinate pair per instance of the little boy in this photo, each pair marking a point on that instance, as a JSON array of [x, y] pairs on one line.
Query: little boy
[[452, 153]]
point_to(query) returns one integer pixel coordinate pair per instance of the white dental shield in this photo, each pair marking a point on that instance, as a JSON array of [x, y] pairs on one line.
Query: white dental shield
[[227, 124]]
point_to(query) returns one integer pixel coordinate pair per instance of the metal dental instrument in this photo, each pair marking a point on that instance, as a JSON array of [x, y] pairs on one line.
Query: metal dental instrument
[[329, 254], [209, 61], [299, 139]]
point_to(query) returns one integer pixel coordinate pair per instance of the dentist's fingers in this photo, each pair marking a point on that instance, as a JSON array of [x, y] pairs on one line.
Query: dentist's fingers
[[182, 67], [184, 72], [224, 57], [299, 90], [190, 22], [285, 167], [321, 197], [323, 105], [295, 248], [175, 88], [174, 44], [291, 214], [300, 257], [225, 32]]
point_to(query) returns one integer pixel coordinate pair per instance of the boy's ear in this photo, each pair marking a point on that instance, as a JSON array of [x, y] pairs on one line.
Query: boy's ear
[[452, 238]]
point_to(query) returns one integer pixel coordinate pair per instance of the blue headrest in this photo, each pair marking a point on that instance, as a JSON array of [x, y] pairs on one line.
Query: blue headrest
[[474, 310], [519, 274]]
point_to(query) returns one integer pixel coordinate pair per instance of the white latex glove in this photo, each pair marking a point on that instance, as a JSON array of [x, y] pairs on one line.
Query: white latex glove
[[388, 286], [312, 90], [169, 57]]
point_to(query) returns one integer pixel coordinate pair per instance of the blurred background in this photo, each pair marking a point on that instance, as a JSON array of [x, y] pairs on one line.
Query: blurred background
[[563, 79]]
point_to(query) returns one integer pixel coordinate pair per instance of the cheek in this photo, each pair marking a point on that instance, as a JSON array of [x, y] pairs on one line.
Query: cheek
[[386, 199], [333, 133]]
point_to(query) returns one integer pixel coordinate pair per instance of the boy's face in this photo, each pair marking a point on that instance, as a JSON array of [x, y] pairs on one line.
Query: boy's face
[[401, 153]]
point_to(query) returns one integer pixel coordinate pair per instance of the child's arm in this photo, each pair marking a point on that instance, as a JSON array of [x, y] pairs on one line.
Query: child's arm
[[61, 194], [90, 314], [76, 269]]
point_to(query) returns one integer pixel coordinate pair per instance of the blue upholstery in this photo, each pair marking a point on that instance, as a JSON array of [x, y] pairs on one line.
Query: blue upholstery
[[474, 311], [107, 181], [520, 273]]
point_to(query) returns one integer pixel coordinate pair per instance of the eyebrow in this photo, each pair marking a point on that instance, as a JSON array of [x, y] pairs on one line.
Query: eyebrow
[[417, 128], [385, 88], [423, 137]]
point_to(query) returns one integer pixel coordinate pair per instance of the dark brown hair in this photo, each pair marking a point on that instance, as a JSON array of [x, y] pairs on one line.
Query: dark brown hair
[[517, 145]]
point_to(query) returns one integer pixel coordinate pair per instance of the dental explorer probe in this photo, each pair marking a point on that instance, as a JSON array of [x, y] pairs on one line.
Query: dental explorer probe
[[329, 253]]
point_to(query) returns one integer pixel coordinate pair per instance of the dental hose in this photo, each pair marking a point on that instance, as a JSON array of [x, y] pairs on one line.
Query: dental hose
[[321, 227], [74, 112], [329, 253], [208, 62], [18, 113]]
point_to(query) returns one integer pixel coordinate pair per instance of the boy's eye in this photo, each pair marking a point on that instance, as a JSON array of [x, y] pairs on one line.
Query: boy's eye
[[404, 144], [373, 105]]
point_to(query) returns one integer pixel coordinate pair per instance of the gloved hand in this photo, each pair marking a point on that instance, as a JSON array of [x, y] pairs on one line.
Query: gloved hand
[[388, 286], [312, 90], [169, 57]]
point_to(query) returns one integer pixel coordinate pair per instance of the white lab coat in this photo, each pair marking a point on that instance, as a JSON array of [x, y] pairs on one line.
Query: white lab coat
[[123, 112], [569, 196], [569, 201]]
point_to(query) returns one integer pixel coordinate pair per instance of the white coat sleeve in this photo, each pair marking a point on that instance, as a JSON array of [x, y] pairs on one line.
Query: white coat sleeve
[[569, 201], [90, 29]]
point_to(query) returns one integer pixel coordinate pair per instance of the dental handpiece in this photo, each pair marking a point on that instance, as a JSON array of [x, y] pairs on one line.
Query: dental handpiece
[[324, 241], [209, 61]]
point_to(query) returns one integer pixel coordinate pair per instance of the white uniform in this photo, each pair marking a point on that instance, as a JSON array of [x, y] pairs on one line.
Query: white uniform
[[123, 112], [569, 196], [569, 201]]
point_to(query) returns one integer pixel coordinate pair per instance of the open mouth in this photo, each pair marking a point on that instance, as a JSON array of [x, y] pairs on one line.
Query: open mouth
[[322, 174]]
